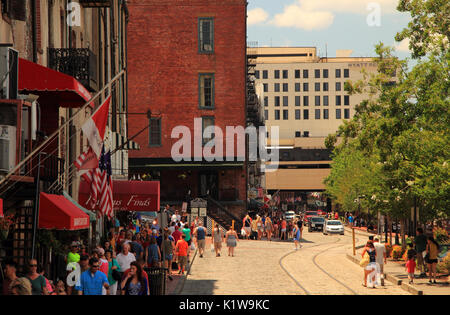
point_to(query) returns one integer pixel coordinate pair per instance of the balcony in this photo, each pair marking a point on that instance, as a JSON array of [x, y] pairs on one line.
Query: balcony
[[80, 63], [95, 4]]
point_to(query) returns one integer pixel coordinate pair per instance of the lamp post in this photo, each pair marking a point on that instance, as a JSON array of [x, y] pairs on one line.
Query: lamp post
[[36, 207]]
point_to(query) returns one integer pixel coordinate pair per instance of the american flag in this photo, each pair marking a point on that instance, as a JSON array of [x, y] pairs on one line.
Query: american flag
[[100, 182]]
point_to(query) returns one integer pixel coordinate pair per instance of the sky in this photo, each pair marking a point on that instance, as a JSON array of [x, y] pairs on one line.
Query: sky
[[329, 25]]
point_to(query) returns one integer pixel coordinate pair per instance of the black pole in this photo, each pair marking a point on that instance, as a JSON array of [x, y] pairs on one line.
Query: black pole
[[386, 229], [415, 216], [36, 207]]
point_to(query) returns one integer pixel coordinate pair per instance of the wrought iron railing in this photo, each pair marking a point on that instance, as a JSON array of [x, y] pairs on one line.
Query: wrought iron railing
[[95, 3]]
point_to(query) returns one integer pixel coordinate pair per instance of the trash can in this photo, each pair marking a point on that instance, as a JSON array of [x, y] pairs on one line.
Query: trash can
[[157, 280]]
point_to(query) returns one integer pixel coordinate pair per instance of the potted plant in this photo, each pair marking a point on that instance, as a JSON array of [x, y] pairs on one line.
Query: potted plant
[[5, 224]]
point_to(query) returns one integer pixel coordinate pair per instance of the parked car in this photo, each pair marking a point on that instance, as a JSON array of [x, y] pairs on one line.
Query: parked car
[[316, 224], [333, 226], [289, 215], [309, 214]]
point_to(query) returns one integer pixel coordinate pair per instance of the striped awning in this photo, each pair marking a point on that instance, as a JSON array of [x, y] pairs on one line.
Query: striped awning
[[118, 141]]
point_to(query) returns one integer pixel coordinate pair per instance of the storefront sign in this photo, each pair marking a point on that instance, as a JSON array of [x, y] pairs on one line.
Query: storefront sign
[[202, 212]]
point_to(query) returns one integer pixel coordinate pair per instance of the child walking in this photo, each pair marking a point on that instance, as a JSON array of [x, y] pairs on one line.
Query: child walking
[[411, 263]]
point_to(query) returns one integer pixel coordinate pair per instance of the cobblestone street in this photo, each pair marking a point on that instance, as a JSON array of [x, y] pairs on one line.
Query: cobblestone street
[[263, 268]]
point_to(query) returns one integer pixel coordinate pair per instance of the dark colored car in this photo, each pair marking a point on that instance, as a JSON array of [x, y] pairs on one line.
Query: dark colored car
[[309, 214], [316, 224]]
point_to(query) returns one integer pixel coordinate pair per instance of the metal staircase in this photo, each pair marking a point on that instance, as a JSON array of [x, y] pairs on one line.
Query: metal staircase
[[222, 216]]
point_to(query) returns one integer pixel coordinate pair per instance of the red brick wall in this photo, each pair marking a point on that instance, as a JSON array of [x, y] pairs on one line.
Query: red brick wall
[[164, 63]]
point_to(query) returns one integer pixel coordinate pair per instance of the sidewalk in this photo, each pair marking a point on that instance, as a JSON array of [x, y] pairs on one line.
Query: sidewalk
[[395, 272]]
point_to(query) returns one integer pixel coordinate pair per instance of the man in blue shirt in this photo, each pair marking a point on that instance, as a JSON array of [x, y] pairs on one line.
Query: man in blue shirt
[[92, 281]]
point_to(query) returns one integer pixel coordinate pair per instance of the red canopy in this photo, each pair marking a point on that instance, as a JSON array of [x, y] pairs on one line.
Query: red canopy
[[57, 212], [51, 85], [128, 195]]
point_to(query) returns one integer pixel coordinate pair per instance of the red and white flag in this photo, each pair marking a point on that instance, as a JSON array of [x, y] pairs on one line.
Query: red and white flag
[[94, 128]]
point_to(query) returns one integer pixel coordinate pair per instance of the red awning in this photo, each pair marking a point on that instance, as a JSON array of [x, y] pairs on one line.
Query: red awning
[[128, 195], [52, 86], [57, 212]]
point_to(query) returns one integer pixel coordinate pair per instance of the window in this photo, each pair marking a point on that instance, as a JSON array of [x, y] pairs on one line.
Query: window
[[317, 114], [277, 74], [257, 74], [285, 87], [206, 35], [346, 113], [317, 87], [305, 87], [285, 114], [155, 132], [317, 100], [266, 114], [298, 134], [285, 74], [266, 87], [325, 86], [317, 73], [265, 74], [277, 114], [266, 101], [338, 73], [338, 100], [306, 134], [338, 86], [207, 122], [325, 114], [346, 99], [305, 100], [346, 73], [297, 74], [297, 100], [325, 73], [338, 113], [276, 87], [305, 74], [325, 100], [206, 90], [277, 101], [305, 114], [285, 101], [297, 87], [297, 114]]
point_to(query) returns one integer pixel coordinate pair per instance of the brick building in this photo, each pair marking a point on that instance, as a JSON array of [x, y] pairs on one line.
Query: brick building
[[186, 61]]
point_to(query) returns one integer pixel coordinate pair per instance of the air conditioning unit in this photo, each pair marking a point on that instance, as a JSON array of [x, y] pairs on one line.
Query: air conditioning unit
[[9, 72], [7, 148]]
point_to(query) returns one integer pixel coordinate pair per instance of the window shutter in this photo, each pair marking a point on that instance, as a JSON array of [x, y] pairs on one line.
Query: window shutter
[[17, 10]]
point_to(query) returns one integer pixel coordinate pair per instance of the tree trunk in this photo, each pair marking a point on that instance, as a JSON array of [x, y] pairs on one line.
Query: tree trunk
[[390, 229], [403, 230]]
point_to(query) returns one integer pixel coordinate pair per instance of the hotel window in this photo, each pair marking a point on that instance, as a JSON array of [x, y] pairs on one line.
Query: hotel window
[[317, 114], [325, 86], [325, 100], [317, 73], [285, 101], [206, 35], [297, 87], [338, 73], [297, 74], [325, 114], [285, 74], [305, 100], [305, 87], [276, 87], [206, 90], [338, 100], [266, 114], [285, 114], [265, 74], [346, 73], [325, 73], [338, 86], [305, 114], [317, 87], [298, 134], [277, 114], [305, 74], [266, 101], [257, 74], [317, 100], [346, 99], [285, 87], [266, 87], [346, 113], [207, 122], [277, 101], [297, 100], [155, 132], [277, 74], [338, 113], [297, 114]]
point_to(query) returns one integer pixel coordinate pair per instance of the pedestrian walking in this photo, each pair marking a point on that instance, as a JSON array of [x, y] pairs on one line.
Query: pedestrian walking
[[350, 219], [153, 254], [200, 235], [38, 284], [432, 257], [269, 228], [260, 226], [135, 283], [217, 238], [247, 224], [231, 238], [371, 271], [410, 268], [93, 281], [167, 248], [254, 235], [296, 236], [113, 272], [283, 230], [125, 258], [381, 256], [420, 242], [182, 248], [10, 276]]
